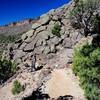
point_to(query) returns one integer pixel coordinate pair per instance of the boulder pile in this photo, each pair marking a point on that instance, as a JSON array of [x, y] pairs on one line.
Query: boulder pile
[[41, 41]]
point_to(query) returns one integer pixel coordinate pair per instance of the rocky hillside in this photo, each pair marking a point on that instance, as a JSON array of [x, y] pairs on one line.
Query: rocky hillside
[[44, 57]]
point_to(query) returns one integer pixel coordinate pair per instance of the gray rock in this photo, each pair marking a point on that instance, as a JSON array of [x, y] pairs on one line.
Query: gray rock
[[18, 41], [29, 47], [24, 36], [40, 29], [52, 22], [10, 45], [39, 50], [76, 36], [38, 66], [30, 33], [18, 61], [33, 62], [55, 18], [50, 26], [36, 25], [62, 30], [55, 41], [19, 54], [22, 46], [44, 19], [49, 29], [39, 42], [52, 48], [59, 23], [44, 35], [59, 47], [17, 98], [51, 12], [65, 22], [28, 40], [69, 53], [47, 50], [44, 43], [69, 61], [67, 43], [67, 33]]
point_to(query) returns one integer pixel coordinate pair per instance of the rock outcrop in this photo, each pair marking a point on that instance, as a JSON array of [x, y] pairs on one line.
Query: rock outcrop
[[40, 39]]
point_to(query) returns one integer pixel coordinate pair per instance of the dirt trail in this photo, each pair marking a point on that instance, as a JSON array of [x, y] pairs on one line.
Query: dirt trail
[[63, 82]]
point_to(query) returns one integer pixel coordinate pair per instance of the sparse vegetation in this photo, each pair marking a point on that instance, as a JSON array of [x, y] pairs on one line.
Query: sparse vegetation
[[7, 69], [85, 15], [56, 30], [9, 38], [86, 65], [17, 87]]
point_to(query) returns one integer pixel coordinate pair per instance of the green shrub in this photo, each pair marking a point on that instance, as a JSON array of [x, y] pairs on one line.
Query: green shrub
[[56, 30], [7, 69], [86, 64], [17, 87]]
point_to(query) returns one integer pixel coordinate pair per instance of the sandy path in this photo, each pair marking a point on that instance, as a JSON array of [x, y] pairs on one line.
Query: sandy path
[[63, 82]]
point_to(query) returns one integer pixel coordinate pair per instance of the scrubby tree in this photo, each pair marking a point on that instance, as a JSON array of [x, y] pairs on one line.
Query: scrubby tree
[[86, 15], [7, 69], [86, 65]]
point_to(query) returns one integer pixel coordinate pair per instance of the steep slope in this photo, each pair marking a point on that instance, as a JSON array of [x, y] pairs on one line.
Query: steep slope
[[47, 47]]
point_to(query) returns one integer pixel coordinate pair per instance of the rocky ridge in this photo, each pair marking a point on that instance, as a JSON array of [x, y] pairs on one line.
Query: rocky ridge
[[39, 52]]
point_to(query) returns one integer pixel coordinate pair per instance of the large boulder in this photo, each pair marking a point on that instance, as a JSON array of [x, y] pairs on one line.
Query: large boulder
[[47, 50], [29, 47], [30, 33], [44, 19], [44, 35], [55, 40], [36, 25], [55, 18], [28, 40], [40, 29], [24, 36]]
